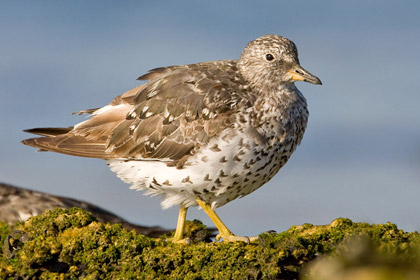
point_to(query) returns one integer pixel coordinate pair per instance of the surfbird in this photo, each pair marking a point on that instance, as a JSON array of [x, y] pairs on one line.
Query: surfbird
[[201, 134]]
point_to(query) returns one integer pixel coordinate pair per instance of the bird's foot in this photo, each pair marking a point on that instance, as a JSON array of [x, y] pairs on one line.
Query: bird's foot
[[186, 241], [234, 238], [253, 238]]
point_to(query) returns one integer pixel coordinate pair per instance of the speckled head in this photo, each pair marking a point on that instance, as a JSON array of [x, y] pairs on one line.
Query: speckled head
[[272, 61]]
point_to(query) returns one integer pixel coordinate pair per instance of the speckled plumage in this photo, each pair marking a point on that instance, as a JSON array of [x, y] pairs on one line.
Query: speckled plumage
[[212, 131]]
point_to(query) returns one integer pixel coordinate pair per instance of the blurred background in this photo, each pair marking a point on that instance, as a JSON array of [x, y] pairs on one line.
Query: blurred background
[[360, 157]]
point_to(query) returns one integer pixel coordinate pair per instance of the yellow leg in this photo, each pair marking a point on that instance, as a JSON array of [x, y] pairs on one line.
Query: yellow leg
[[224, 232], [179, 232]]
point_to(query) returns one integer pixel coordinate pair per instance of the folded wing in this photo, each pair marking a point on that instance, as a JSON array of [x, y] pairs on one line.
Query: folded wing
[[180, 109]]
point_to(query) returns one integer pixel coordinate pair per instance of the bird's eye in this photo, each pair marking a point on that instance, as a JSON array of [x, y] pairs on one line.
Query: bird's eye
[[269, 57]]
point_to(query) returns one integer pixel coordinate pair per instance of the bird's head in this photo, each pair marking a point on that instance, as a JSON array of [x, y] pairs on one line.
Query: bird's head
[[272, 61]]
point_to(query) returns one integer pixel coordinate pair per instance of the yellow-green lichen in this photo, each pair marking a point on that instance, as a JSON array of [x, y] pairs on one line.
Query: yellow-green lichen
[[66, 244]]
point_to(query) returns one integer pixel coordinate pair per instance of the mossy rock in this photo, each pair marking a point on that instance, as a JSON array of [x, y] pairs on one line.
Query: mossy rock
[[71, 244]]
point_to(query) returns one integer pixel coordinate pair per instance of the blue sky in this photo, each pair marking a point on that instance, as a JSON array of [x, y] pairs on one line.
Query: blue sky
[[360, 157]]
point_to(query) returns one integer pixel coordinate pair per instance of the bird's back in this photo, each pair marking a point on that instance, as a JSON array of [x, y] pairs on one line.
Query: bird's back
[[180, 108]]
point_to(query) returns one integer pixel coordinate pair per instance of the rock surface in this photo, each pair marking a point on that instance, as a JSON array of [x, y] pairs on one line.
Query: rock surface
[[18, 204], [71, 243]]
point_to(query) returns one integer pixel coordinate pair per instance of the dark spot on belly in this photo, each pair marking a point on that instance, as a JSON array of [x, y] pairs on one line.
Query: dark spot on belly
[[207, 178], [186, 180], [223, 159], [155, 182], [215, 148]]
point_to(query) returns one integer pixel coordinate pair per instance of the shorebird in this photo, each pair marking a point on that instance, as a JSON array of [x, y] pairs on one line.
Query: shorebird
[[201, 134]]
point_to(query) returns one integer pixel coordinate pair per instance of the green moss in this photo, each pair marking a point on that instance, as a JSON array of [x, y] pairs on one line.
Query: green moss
[[4, 232], [197, 232], [4, 263], [66, 244], [362, 257]]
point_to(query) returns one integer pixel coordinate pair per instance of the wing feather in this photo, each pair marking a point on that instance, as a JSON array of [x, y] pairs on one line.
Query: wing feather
[[180, 109]]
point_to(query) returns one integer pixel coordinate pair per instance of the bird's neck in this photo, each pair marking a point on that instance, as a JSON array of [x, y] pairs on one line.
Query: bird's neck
[[281, 96]]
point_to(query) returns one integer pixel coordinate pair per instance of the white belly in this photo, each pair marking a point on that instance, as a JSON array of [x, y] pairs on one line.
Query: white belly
[[218, 174]]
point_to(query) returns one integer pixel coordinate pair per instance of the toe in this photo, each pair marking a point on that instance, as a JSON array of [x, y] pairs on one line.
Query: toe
[[253, 238], [234, 238], [186, 241]]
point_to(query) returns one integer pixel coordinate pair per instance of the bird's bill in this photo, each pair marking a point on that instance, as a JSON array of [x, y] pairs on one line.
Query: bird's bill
[[300, 74]]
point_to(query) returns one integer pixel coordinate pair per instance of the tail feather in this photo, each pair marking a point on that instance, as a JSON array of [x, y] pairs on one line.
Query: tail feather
[[49, 131], [70, 145]]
